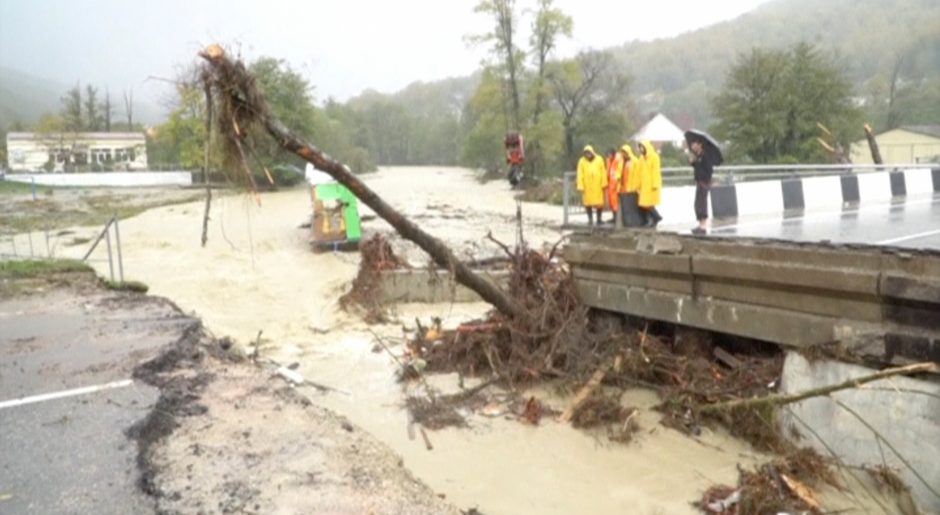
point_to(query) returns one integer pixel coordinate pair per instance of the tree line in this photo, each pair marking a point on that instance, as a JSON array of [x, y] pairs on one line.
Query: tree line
[[774, 104]]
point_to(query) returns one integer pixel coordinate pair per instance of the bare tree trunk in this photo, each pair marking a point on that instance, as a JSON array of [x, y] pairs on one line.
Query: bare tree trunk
[[873, 145], [441, 254], [205, 165], [129, 109]]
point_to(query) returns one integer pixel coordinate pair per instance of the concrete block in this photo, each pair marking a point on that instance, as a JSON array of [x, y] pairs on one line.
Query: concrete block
[[822, 192], [898, 184], [904, 411], [918, 181], [850, 190], [874, 187], [759, 197], [788, 273], [724, 201], [792, 194], [422, 286], [762, 323]]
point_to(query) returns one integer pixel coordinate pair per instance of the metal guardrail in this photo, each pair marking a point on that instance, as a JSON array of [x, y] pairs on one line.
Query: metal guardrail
[[682, 176]]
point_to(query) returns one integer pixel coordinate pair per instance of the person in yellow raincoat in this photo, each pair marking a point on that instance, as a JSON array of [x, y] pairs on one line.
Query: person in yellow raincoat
[[650, 183], [592, 180], [630, 175], [614, 171]]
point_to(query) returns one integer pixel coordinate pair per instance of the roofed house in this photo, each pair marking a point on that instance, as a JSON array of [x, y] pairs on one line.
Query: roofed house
[[76, 151], [660, 130], [909, 144]]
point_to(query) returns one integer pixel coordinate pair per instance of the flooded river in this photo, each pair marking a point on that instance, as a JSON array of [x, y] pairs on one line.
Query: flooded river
[[257, 274]]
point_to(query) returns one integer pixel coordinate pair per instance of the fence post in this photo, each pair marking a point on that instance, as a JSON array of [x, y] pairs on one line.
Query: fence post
[[566, 186], [107, 235], [117, 238]]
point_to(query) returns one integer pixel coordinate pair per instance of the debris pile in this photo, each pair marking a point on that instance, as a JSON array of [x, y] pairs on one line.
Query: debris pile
[[377, 257], [786, 485]]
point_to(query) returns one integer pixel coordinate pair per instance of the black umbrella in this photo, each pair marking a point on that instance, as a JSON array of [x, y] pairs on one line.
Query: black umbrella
[[711, 146]]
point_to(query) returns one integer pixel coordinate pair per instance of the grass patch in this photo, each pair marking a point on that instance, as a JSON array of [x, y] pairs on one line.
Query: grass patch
[[36, 268], [134, 286], [46, 214], [16, 188]]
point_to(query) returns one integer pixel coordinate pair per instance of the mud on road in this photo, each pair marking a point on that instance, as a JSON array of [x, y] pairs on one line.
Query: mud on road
[[214, 433]]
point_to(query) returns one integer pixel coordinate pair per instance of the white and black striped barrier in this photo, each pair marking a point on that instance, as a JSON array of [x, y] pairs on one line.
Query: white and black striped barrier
[[795, 194]]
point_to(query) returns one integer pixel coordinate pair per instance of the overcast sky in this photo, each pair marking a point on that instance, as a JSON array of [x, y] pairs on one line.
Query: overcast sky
[[341, 46]]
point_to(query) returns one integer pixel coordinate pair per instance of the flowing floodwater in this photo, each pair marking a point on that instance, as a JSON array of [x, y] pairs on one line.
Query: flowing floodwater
[[257, 274]]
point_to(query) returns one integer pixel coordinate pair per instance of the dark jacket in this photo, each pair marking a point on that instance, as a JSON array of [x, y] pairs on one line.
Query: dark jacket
[[703, 168]]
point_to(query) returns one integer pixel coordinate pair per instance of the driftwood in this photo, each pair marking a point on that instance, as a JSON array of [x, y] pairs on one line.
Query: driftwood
[[873, 145], [235, 84], [781, 400], [584, 394]]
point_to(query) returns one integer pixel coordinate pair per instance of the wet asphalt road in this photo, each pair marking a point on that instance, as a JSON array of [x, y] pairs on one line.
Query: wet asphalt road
[[913, 223], [71, 454]]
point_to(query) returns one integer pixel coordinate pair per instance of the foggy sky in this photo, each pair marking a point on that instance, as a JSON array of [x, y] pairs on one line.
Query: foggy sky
[[342, 47]]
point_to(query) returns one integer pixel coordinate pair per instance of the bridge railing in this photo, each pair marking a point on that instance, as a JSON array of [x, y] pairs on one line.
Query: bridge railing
[[682, 176]]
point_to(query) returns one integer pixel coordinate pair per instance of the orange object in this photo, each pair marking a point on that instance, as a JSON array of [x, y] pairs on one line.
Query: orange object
[[614, 172]]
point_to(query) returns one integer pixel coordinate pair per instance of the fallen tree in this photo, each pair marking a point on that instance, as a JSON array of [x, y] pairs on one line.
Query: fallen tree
[[242, 106]]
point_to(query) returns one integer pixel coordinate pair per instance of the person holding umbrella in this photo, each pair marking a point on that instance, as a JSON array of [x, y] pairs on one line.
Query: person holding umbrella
[[706, 155]]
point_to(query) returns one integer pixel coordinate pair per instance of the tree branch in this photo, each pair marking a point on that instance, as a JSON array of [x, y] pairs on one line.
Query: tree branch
[[780, 400]]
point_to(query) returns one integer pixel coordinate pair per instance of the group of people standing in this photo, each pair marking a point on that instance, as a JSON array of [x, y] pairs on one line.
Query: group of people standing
[[601, 181]]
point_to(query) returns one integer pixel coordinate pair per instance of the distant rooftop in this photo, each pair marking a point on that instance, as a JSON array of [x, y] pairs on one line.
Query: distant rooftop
[[27, 136], [926, 130]]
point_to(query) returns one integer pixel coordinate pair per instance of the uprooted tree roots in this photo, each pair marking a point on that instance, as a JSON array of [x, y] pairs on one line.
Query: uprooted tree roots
[[377, 257], [560, 339]]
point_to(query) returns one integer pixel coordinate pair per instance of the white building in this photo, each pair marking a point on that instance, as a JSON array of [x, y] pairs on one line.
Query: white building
[[660, 130], [71, 151]]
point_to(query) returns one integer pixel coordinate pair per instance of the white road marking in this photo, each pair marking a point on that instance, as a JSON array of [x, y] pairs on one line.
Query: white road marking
[[908, 237], [65, 393], [820, 214]]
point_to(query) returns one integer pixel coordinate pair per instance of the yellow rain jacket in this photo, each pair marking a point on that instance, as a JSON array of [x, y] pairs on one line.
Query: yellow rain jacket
[[651, 177], [631, 171], [592, 179]]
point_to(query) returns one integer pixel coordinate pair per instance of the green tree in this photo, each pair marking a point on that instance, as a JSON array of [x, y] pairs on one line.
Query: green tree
[[181, 139], [72, 117], [92, 113], [548, 25], [107, 111], [594, 100], [502, 41], [773, 101], [484, 123]]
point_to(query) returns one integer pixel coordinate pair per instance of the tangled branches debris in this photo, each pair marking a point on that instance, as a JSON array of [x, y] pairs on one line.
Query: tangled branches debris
[[560, 339], [785, 485], [519, 349], [377, 257]]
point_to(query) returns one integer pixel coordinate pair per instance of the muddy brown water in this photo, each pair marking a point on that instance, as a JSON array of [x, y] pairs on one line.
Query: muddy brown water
[[258, 274]]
